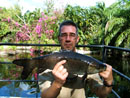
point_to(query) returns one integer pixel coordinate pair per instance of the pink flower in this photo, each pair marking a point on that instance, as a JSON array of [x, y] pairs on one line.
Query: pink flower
[[43, 14], [35, 76], [43, 19], [40, 20], [41, 51], [9, 19], [46, 31], [54, 17], [45, 24], [51, 31], [16, 23], [24, 27], [41, 54], [32, 54], [17, 39], [21, 36], [16, 75], [46, 17], [32, 50], [4, 20], [39, 29]]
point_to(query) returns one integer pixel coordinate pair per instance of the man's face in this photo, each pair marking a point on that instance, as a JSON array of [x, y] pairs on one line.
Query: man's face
[[68, 37]]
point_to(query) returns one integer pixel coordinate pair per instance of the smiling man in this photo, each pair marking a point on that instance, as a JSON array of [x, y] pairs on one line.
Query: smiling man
[[56, 84]]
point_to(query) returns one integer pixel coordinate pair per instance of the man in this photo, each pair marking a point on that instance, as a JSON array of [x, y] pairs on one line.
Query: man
[[58, 86]]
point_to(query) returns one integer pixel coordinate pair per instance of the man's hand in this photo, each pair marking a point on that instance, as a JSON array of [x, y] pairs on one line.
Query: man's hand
[[60, 73], [107, 75]]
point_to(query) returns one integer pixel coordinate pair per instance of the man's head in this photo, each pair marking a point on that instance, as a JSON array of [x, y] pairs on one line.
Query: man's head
[[68, 35]]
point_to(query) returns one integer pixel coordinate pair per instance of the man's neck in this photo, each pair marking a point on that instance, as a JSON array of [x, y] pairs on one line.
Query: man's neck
[[74, 50]]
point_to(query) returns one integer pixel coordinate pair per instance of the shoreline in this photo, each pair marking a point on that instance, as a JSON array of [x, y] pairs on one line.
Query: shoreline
[[6, 51]]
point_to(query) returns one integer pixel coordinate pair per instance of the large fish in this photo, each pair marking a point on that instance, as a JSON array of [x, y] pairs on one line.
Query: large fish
[[76, 63]]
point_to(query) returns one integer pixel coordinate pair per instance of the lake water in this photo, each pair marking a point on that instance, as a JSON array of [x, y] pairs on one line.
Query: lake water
[[30, 89]]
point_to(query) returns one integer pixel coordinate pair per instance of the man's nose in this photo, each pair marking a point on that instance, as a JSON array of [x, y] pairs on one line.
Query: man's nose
[[67, 37]]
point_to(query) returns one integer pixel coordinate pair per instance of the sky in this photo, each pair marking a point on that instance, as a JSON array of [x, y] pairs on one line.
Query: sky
[[32, 4]]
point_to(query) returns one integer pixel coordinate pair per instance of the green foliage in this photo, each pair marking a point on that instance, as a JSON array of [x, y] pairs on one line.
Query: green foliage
[[78, 15], [98, 23], [7, 22], [118, 29], [26, 28], [4, 28], [95, 24], [124, 37], [29, 17], [114, 27]]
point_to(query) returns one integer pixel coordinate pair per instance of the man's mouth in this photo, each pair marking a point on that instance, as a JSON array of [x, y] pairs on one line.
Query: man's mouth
[[68, 45]]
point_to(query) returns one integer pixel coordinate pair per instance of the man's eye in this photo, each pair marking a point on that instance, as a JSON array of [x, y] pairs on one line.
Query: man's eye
[[72, 35], [63, 35]]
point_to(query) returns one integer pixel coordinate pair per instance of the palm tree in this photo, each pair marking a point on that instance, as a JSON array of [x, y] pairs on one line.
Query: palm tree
[[111, 24], [118, 31], [100, 17], [100, 24]]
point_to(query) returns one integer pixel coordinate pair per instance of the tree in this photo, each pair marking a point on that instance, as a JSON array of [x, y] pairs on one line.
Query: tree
[[118, 32]]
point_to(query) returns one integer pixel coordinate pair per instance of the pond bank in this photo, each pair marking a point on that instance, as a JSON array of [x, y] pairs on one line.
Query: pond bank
[[6, 51]]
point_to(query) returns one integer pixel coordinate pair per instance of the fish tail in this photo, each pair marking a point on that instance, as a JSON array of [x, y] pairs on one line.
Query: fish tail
[[27, 64]]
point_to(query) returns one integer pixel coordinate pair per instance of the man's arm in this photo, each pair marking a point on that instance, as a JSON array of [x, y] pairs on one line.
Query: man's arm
[[101, 90], [107, 75], [108, 79], [60, 74]]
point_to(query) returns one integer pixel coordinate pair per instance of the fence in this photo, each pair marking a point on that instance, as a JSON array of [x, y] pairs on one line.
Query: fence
[[104, 51]]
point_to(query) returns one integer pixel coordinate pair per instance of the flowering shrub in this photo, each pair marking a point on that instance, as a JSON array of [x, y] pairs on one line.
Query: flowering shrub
[[34, 27], [44, 30], [45, 25]]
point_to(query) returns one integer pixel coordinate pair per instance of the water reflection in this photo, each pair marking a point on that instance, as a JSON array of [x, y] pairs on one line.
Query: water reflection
[[19, 89], [13, 72]]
